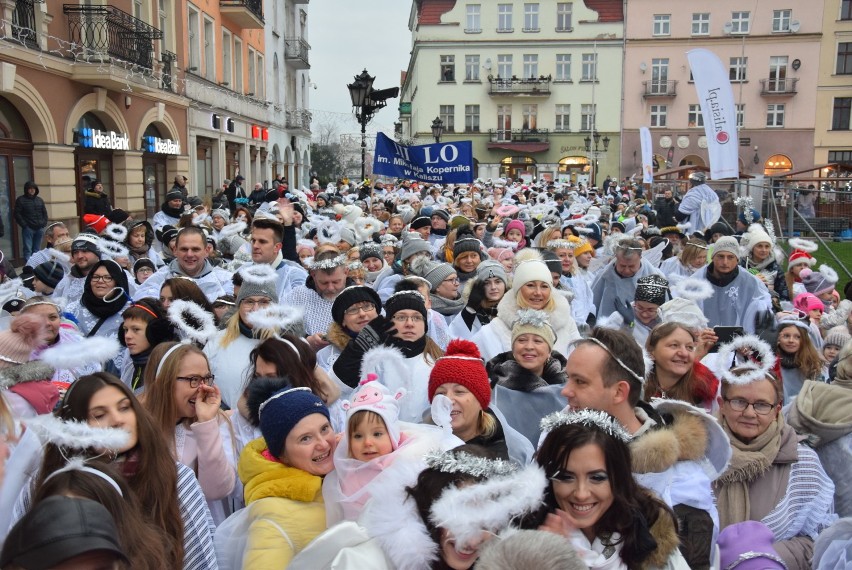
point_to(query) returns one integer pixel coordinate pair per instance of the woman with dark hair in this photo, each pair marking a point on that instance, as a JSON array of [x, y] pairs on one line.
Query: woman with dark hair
[[186, 289], [140, 238], [594, 501], [482, 294], [168, 490], [105, 295], [798, 359]]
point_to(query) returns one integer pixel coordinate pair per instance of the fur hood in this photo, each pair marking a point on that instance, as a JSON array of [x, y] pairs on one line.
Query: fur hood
[[688, 434], [503, 369], [26, 372], [337, 336], [560, 317], [664, 532]]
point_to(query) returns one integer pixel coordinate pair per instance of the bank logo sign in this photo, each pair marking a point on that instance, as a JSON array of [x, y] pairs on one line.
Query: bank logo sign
[[108, 140], [160, 146]]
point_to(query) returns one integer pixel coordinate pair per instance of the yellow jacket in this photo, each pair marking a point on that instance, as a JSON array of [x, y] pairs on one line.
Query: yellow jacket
[[285, 507]]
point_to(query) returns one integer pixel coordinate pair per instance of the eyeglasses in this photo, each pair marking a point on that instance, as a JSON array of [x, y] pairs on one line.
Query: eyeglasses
[[144, 270], [453, 280], [252, 303], [194, 381], [102, 279], [740, 405], [402, 319], [363, 308]]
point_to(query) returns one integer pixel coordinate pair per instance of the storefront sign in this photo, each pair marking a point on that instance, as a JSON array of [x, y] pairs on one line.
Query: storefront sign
[[437, 163], [160, 146], [110, 140]]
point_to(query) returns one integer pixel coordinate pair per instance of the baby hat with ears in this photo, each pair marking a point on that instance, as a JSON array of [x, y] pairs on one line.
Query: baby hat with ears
[[373, 396]]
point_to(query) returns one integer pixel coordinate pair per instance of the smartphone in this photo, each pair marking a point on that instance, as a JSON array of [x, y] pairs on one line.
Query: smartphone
[[726, 334]]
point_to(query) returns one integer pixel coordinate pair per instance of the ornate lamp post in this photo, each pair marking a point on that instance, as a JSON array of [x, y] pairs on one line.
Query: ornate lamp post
[[437, 129], [595, 153]]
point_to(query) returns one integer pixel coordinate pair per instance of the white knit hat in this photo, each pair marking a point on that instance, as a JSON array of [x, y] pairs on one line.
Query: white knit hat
[[532, 270], [373, 396]]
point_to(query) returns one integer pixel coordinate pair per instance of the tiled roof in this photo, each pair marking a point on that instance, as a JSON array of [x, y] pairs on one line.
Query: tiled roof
[[608, 10], [432, 10]]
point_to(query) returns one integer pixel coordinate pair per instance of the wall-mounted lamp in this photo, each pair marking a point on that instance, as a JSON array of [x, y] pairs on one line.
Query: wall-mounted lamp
[[127, 101], [756, 158], [643, 67], [797, 63]]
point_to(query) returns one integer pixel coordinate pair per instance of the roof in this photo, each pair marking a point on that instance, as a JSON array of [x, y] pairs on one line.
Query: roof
[[430, 11], [608, 10]]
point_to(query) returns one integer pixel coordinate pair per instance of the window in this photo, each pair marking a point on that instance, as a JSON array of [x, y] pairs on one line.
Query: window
[[251, 76], [530, 66], [194, 21], [662, 24], [473, 23], [660, 75], [504, 123], [777, 74], [563, 67], [701, 24], [740, 22], [504, 18], [163, 19], [590, 67], [504, 66], [842, 111], [781, 20], [209, 51], [260, 84], [844, 58], [846, 10], [658, 115], [840, 156], [448, 68], [564, 11], [471, 68], [587, 117], [696, 119], [531, 17], [530, 117], [775, 115], [740, 114], [563, 116], [137, 10], [238, 65], [227, 60], [448, 115], [737, 68], [471, 118]]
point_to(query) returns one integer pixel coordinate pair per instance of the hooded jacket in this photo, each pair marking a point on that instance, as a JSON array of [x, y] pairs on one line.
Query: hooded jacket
[[30, 211]]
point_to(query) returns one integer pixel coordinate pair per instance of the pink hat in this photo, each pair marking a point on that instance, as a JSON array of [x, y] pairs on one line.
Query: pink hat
[[517, 225], [373, 396], [806, 302]]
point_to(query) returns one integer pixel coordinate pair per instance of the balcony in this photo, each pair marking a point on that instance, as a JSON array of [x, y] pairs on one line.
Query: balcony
[[297, 119], [778, 86], [521, 140], [24, 24], [532, 87], [296, 52], [248, 14], [659, 88], [106, 31]]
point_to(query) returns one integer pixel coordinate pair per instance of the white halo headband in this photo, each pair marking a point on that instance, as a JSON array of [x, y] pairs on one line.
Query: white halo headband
[[78, 464]]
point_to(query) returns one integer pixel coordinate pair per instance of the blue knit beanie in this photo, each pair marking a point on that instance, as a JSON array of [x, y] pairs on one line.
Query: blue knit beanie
[[282, 411]]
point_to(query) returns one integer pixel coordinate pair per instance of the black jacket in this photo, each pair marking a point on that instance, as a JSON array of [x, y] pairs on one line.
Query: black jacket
[[97, 203], [666, 212], [30, 211]]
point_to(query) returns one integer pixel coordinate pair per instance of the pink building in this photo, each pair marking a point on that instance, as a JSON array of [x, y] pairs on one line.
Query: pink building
[[772, 52]]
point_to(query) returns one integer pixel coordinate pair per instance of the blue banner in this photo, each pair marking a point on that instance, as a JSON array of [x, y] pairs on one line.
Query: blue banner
[[441, 163]]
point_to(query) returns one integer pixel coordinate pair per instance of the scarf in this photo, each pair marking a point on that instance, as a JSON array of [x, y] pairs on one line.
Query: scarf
[[447, 307], [100, 308], [171, 212], [138, 252], [786, 360], [128, 463], [139, 362], [409, 348], [245, 330], [748, 463]]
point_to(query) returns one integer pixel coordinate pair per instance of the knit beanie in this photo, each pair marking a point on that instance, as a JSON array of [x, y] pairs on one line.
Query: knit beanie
[[468, 244], [531, 321], [86, 242], [755, 217], [462, 364], [282, 411], [435, 272], [488, 269], [22, 337], [727, 243], [755, 235], [412, 245], [406, 300], [808, 302], [257, 288], [817, 282], [350, 296], [166, 234], [500, 253], [348, 235], [117, 216], [443, 214], [371, 250], [50, 273], [583, 246], [748, 546], [96, 222], [554, 264], [174, 195], [596, 233], [837, 336], [531, 270], [222, 213], [421, 222], [652, 289], [373, 396], [516, 225]]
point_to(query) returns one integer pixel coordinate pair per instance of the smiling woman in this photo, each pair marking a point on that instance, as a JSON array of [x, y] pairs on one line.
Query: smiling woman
[[98, 311]]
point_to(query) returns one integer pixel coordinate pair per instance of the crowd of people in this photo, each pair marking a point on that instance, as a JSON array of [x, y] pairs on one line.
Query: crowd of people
[[406, 376]]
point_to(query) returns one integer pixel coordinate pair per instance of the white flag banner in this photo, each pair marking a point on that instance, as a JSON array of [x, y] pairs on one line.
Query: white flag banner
[[720, 113], [647, 155]]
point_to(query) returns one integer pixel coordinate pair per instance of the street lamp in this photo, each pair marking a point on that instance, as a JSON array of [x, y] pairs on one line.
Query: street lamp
[[365, 102], [596, 152], [437, 129]]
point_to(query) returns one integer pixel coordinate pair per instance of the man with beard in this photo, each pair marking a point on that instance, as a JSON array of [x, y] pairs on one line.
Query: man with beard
[[84, 255]]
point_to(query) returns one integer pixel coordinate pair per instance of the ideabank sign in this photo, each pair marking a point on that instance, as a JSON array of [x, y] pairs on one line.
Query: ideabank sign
[[160, 146], [441, 163], [109, 140]]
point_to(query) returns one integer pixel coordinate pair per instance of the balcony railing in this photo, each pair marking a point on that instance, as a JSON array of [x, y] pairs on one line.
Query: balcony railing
[[659, 88], [299, 119], [108, 31], [518, 135], [245, 13], [24, 23], [778, 86], [532, 87], [296, 51], [169, 61]]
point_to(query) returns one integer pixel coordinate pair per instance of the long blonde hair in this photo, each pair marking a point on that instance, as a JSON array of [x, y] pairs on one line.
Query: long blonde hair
[[232, 331]]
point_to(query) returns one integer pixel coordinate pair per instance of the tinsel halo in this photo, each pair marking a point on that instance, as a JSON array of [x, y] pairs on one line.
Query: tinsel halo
[[588, 418], [463, 462]]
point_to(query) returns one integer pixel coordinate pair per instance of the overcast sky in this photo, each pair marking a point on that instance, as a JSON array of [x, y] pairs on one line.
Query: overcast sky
[[345, 38]]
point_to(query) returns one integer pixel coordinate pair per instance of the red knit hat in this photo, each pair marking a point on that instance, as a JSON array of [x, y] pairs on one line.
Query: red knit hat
[[800, 257], [462, 364]]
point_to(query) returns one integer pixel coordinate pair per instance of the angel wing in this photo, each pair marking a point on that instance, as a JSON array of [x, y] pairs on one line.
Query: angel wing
[[654, 256]]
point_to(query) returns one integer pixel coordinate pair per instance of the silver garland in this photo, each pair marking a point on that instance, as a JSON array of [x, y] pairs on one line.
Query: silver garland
[[587, 418], [329, 264], [462, 462]]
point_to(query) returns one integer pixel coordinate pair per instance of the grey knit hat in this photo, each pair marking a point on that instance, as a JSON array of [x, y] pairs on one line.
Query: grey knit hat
[[371, 250], [253, 288], [468, 244], [435, 273], [488, 269], [412, 245], [837, 336], [727, 243]]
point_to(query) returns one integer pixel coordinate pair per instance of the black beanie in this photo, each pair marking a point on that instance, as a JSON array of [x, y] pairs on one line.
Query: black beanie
[[552, 261], [50, 273], [143, 262], [117, 216], [406, 300], [350, 296], [468, 244], [421, 222]]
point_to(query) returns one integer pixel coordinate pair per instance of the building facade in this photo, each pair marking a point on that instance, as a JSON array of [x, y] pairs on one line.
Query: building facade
[[526, 82], [832, 140], [772, 53]]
